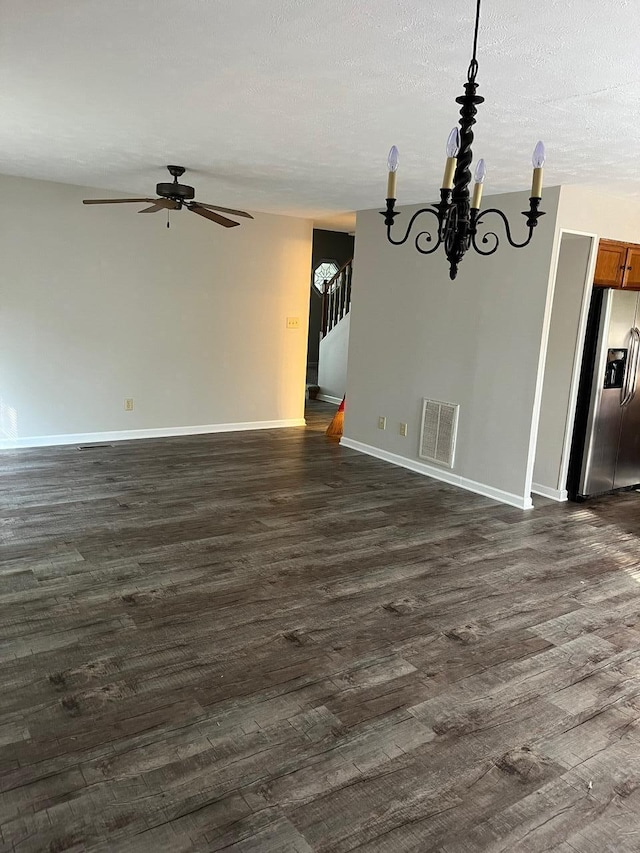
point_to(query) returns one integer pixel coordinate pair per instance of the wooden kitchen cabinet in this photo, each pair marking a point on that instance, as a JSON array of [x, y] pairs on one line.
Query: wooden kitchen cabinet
[[610, 264], [618, 265], [632, 272]]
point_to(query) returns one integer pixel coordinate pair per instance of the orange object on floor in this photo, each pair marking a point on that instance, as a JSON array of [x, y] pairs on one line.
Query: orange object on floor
[[334, 430]]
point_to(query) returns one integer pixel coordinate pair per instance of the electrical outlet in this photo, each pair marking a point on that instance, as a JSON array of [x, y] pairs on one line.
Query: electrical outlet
[[382, 423], [293, 322], [403, 430], [128, 404]]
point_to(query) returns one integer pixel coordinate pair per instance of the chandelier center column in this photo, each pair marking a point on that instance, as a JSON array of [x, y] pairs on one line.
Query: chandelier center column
[[458, 238]]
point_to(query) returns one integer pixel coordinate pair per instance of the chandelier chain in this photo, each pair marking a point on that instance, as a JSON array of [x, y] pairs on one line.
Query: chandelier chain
[[475, 32], [473, 65]]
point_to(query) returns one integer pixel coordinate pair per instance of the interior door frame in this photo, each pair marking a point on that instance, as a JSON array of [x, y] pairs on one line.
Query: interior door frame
[[561, 493]]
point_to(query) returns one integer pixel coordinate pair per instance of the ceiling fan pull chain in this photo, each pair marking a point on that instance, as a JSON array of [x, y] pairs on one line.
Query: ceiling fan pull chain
[[167, 217]]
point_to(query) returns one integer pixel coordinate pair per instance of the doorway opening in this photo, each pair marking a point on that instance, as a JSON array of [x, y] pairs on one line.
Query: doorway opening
[[331, 251]]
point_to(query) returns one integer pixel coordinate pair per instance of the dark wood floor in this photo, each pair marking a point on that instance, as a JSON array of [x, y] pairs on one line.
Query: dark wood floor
[[266, 642]]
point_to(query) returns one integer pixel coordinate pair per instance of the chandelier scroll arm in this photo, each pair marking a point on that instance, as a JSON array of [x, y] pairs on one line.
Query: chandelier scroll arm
[[533, 214], [441, 213]]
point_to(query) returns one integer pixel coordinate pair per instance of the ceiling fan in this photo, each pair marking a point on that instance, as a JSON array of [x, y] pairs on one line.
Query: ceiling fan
[[173, 196]]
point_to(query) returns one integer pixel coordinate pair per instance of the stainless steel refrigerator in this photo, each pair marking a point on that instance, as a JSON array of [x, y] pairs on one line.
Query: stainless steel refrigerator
[[606, 443]]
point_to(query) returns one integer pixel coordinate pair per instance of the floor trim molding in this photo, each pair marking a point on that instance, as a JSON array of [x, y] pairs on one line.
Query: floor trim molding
[[128, 435], [438, 474], [327, 398], [554, 494]]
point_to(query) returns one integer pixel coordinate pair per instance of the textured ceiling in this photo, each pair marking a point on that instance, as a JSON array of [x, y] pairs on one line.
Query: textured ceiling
[[290, 106]]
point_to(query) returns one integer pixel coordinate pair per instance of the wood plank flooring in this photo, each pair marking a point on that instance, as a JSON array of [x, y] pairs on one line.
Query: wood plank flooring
[[266, 642]]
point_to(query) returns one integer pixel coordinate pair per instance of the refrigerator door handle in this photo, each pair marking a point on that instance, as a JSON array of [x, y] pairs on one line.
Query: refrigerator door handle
[[635, 332], [624, 393], [631, 375]]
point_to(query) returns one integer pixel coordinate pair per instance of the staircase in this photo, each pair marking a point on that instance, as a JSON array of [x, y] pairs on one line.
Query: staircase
[[334, 335], [336, 298]]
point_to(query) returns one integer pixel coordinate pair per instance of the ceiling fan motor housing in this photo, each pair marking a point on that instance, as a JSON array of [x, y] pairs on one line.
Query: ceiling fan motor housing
[[177, 191]]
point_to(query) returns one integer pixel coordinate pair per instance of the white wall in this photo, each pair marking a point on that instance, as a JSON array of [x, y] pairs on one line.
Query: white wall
[[98, 304], [332, 360], [564, 342], [607, 216], [475, 341]]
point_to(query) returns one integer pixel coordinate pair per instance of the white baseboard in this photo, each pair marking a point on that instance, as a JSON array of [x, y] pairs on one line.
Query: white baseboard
[[553, 494], [327, 398], [128, 435], [519, 501]]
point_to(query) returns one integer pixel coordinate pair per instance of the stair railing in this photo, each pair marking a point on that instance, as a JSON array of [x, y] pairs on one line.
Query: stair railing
[[336, 297]]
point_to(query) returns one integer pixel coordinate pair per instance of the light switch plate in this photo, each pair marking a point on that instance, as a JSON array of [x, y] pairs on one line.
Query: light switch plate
[[403, 430], [382, 423]]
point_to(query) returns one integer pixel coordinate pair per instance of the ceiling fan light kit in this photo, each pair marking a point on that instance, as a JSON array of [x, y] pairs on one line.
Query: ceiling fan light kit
[[457, 214], [175, 196]]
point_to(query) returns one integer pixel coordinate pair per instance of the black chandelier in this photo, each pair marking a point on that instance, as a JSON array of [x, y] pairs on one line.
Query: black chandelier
[[458, 216]]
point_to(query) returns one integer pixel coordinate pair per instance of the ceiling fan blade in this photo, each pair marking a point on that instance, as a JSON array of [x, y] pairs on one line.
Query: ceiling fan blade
[[225, 210], [116, 200], [194, 207], [160, 204]]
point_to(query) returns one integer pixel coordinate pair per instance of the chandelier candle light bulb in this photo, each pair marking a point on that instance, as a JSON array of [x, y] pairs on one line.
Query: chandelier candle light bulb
[[392, 164], [538, 159], [480, 175], [453, 146]]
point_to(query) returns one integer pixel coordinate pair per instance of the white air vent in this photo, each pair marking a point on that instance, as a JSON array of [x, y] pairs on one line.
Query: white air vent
[[438, 433]]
